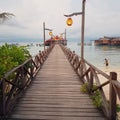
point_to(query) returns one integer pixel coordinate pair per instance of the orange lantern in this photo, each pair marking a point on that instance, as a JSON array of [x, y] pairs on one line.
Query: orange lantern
[[50, 33], [69, 21]]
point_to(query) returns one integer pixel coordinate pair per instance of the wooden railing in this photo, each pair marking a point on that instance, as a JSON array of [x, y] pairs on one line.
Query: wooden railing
[[14, 82], [92, 76]]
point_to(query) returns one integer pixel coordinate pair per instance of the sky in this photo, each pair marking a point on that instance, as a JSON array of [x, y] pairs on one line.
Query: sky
[[102, 18]]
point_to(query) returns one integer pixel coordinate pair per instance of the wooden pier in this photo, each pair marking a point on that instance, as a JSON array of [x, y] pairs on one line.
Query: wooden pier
[[55, 94], [47, 87]]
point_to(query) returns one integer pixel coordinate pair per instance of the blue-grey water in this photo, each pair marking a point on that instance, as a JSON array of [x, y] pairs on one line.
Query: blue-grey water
[[97, 54], [93, 54]]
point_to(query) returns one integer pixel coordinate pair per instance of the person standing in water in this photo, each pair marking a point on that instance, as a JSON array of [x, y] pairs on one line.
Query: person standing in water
[[106, 62]]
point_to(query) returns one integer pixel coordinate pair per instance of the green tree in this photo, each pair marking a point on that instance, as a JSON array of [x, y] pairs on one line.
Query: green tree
[[12, 56], [5, 16], [3, 60]]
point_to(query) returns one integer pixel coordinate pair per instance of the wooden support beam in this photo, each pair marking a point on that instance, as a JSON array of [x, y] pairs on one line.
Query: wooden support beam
[[113, 98]]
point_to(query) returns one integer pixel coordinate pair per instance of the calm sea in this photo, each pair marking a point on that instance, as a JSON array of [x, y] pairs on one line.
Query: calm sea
[[93, 54], [97, 54]]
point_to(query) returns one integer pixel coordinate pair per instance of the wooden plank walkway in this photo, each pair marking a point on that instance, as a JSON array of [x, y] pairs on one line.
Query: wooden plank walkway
[[55, 94]]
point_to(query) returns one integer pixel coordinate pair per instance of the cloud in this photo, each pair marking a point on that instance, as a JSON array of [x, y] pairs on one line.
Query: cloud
[[31, 14], [102, 17]]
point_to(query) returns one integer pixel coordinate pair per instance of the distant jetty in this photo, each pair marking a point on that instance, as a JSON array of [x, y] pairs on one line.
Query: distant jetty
[[108, 41], [54, 40]]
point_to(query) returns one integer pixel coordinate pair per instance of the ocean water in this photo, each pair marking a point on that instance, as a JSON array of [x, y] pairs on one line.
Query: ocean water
[[93, 54], [96, 54]]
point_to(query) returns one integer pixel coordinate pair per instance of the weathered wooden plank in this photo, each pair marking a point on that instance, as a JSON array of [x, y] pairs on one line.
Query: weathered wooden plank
[[88, 103], [58, 95], [37, 117], [60, 89], [58, 106], [61, 113], [85, 101], [55, 94], [53, 109]]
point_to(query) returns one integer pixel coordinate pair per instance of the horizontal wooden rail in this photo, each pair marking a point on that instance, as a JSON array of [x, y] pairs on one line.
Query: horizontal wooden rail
[[18, 79], [91, 75]]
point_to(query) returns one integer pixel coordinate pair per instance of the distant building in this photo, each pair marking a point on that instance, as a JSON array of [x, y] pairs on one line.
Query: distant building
[[108, 41], [56, 40]]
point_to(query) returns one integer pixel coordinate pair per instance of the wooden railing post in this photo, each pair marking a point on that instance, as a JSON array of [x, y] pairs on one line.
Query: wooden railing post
[[112, 116], [31, 69], [90, 83], [2, 99]]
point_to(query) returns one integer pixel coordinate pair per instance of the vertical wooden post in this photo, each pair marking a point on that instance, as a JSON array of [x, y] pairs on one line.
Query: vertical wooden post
[[112, 116], [65, 38], [82, 29], [82, 34], [90, 82], [1, 104], [23, 80], [2, 98], [44, 34], [31, 70]]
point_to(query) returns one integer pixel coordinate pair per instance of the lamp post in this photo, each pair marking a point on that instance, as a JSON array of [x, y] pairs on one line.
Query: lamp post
[[69, 23], [64, 34], [50, 33], [83, 27], [64, 37]]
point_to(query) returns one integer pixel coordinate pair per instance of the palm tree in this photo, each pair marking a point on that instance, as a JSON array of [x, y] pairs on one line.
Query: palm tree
[[5, 16]]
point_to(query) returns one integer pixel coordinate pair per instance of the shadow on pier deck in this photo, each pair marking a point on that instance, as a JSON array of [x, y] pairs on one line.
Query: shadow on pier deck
[[55, 94]]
